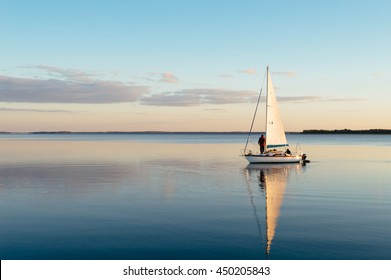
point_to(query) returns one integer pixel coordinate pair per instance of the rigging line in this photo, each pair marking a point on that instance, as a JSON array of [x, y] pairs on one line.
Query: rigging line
[[267, 101], [255, 113]]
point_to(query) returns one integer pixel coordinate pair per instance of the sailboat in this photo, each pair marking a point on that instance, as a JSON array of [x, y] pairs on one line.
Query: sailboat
[[277, 150]]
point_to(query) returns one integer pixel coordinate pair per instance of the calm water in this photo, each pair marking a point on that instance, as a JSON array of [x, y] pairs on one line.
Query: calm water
[[192, 196]]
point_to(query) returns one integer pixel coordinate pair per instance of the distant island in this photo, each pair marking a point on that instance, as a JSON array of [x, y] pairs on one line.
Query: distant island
[[347, 131], [51, 132], [136, 132]]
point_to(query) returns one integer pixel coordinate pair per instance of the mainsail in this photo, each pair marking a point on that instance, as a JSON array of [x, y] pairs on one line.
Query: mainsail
[[275, 133]]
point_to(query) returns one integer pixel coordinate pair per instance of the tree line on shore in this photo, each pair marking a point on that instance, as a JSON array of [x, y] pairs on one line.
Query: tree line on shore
[[347, 131]]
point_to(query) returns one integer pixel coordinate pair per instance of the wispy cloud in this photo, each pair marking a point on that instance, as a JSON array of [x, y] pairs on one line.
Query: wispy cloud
[[314, 98], [168, 77], [300, 99], [194, 97], [161, 77], [67, 74], [75, 87], [289, 74], [226, 76], [377, 74], [171, 99], [343, 99], [249, 71], [3, 109]]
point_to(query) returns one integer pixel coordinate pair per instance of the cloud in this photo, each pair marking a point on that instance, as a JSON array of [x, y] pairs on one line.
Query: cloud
[[343, 99], [288, 74], [226, 76], [165, 77], [300, 99], [67, 74], [70, 90], [195, 97], [314, 98], [168, 77], [249, 71], [2, 109], [171, 99], [74, 86]]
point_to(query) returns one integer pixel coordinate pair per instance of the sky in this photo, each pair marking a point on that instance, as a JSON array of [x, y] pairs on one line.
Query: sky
[[143, 65]]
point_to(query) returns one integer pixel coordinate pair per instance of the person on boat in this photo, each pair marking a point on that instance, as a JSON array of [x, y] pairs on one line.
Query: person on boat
[[262, 143]]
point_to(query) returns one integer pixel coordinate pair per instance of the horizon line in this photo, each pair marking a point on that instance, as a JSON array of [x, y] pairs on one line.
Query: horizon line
[[305, 131]]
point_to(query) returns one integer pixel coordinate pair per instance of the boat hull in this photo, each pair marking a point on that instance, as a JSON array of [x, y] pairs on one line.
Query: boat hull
[[272, 159]]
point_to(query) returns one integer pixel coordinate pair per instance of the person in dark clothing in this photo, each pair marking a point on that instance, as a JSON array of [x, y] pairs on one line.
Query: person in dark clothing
[[262, 143]]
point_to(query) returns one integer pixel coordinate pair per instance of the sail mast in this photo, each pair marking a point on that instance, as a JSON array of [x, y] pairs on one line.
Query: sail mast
[[267, 99]]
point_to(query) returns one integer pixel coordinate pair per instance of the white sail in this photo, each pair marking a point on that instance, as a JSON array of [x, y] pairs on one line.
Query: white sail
[[275, 133]]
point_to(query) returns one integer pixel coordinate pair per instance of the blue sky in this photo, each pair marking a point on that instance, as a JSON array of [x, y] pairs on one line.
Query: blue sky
[[192, 65]]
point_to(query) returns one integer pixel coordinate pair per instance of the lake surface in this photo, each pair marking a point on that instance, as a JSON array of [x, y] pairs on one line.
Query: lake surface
[[191, 196]]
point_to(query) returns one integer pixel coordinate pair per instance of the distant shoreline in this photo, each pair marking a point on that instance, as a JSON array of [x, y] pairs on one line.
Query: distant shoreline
[[347, 131], [307, 131]]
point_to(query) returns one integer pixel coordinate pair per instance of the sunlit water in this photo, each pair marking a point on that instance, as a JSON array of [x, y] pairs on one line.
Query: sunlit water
[[191, 196]]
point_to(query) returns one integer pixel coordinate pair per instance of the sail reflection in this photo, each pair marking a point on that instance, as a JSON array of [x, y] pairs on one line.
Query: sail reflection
[[272, 182]]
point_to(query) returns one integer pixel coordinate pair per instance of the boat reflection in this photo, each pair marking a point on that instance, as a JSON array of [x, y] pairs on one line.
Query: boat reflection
[[272, 181]]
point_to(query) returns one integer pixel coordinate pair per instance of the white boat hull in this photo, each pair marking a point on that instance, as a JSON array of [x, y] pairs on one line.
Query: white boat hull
[[273, 159]]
